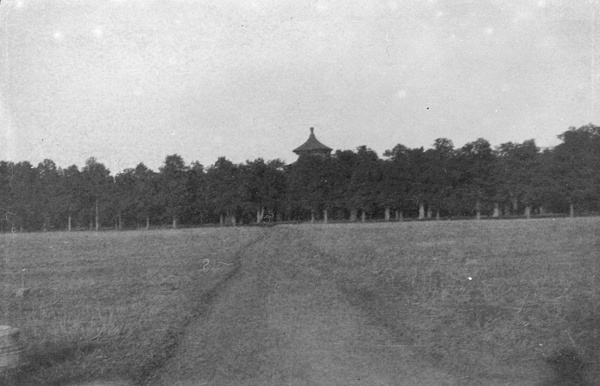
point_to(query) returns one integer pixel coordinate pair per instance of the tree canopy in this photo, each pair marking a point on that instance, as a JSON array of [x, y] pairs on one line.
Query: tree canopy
[[475, 180]]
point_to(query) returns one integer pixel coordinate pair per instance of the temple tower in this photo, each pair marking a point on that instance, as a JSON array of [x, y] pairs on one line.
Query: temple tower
[[312, 146]]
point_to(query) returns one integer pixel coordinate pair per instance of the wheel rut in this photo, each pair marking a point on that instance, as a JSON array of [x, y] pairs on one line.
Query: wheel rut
[[205, 303], [280, 320]]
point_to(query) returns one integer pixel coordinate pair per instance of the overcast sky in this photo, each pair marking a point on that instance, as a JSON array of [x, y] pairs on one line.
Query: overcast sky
[[131, 81]]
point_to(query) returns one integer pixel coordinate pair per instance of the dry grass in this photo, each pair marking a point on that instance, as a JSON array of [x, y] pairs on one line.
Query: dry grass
[[107, 305], [481, 299]]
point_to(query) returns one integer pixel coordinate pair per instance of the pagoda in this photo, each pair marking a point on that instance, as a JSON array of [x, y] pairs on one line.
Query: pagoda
[[312, 146]]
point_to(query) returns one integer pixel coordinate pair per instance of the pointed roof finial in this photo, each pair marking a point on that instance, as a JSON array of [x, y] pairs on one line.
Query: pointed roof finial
[[312, 145]]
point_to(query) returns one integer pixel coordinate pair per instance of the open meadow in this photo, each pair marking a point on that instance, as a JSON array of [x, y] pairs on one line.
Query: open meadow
[[481, 299], [446, 302], [108, 304]]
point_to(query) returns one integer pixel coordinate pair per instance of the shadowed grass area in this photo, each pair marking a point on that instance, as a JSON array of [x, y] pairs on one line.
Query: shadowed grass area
[[480, 299], [108, 305]]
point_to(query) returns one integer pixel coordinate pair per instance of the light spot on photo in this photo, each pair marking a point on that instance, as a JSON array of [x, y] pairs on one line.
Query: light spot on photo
[[98, 32], [321, 6], [58, 36]]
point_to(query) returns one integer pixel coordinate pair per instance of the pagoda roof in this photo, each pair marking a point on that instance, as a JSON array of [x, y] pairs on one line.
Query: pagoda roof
[[312, 145]]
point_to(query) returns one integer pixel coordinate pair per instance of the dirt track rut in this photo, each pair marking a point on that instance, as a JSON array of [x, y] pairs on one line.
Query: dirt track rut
[[282, 321]]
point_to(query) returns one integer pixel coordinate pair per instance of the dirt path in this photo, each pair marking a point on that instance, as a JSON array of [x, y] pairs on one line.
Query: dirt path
[[282, 321]]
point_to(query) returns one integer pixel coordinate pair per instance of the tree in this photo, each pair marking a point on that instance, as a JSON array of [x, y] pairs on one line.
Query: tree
[[97, 185], [52, 201], [310, 184], [24, 194], [6, 197], [135, 195], [518, 175], [396, 180], [476, 162], [173, 187], [416, 166], [389, 188], [197, 193], [146, 193], [124, 197], [439, 175], [264, 186], [72, 182], [225, 189], [342, 165], [364, 187], [576, 165]]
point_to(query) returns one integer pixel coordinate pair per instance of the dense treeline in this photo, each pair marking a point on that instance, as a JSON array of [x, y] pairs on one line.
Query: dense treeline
[[475, 180]]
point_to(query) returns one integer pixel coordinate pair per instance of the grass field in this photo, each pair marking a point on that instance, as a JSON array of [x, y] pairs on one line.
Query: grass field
[[478, 299], [108, 305]]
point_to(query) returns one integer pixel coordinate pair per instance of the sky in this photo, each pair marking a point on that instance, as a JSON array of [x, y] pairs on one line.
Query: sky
[[130, 81]]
